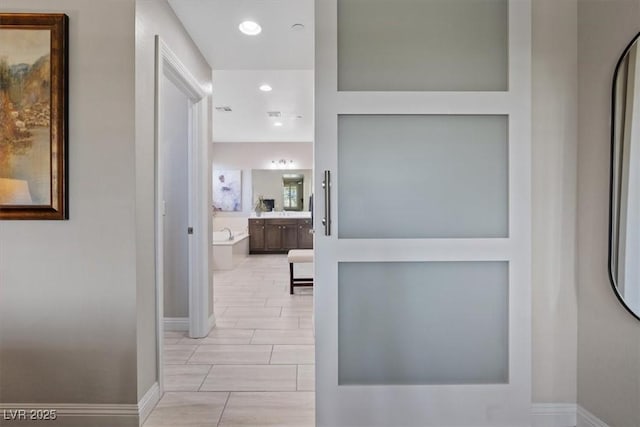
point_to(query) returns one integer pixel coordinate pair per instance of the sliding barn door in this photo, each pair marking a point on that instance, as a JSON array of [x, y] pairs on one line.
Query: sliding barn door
[[422, 163]]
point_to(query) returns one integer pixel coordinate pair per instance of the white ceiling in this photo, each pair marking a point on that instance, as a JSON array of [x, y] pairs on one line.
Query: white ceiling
[[213, 25], [279, 56], [292, 95]]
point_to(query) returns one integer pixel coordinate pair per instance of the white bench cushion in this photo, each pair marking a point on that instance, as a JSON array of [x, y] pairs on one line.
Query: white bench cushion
[[300, 256]]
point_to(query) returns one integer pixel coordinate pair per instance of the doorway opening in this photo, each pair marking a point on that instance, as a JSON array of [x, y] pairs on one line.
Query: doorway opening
[[261, 350], [182, 225]]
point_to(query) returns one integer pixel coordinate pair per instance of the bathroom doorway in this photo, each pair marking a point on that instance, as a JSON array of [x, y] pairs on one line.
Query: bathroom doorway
[[259, 356]]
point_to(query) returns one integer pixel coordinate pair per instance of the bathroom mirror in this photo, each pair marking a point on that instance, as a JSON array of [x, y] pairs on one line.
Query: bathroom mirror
[[624, 208], [289, 189]]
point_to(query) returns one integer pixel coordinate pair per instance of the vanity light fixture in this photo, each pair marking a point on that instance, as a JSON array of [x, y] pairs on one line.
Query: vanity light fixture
[[282, 164], [250, 28], [266, 88]]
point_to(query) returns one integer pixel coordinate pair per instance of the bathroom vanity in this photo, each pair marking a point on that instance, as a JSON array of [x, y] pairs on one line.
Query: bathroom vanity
[[279, 234]]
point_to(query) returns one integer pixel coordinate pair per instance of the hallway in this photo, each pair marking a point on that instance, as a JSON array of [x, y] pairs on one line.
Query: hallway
[[256, 367]]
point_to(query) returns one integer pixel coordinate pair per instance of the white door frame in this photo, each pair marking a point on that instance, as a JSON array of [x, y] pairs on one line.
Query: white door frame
[[499, 404], [169, 66]]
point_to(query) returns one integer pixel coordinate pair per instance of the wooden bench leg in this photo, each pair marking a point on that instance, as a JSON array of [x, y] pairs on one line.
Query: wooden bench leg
[[290, 278]]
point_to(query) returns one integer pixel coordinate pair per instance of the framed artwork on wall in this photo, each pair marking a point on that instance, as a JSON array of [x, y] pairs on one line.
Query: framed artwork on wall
[[227, 190], [33, 116]]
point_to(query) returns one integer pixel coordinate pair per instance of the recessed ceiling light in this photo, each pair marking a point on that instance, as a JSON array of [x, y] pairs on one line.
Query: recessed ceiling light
[[266, 88], [297, 27], [277, 124], [250, 28]]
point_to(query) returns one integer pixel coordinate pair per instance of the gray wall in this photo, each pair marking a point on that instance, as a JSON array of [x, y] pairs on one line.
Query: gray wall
[[62, 282], [608, 337], [174, 145], [554, 138], [68, 288], [154, 17]]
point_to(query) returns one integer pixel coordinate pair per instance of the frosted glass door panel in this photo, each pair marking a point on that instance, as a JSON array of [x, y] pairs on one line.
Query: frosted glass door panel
[[422, 176], [426, 45], [423, 323]]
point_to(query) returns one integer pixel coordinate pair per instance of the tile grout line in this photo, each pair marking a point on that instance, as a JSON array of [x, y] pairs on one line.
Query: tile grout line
[[205, 378], [224, 408], [191, 354]]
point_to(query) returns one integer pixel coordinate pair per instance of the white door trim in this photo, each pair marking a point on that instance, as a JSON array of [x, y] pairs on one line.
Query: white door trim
[[169, 66]]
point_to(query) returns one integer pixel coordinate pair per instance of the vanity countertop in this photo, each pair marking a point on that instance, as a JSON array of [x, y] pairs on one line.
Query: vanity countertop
[[267, 215]]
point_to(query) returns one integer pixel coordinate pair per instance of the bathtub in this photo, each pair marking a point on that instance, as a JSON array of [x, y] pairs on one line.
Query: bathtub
[[229, 253]]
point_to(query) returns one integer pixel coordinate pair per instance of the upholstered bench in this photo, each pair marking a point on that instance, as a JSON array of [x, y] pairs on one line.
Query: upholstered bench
[[299, 256]]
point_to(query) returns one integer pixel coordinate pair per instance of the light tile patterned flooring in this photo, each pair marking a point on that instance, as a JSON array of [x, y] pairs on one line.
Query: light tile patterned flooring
[[256, 368]]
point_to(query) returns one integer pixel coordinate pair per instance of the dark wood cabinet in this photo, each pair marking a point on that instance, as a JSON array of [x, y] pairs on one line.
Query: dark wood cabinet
[[279, 235], [257, 234], [305, 238], [273, 237], [290, 236]]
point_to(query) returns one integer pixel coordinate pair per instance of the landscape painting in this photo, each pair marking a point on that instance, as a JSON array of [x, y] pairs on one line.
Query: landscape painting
[[32, 101], [227, 191]]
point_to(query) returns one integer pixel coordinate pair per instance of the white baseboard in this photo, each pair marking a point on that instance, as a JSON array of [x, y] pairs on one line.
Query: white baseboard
[[112, 415], [78, 414], [177, 324], [587, 419], [181, 324], [553, 415], [148, 402], [99, 414], [77, 409]]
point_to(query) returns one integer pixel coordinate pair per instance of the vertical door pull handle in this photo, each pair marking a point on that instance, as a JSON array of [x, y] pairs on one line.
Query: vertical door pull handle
[[326, 185]]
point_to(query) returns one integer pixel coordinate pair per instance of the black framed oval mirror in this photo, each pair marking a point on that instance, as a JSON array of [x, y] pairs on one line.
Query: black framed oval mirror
[[624, 200]]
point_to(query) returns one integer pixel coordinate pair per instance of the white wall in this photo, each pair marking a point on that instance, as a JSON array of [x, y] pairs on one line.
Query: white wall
[[174, 147], [608, 336], [255, 155], [68, 288], [554, 140], [154, 17]]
